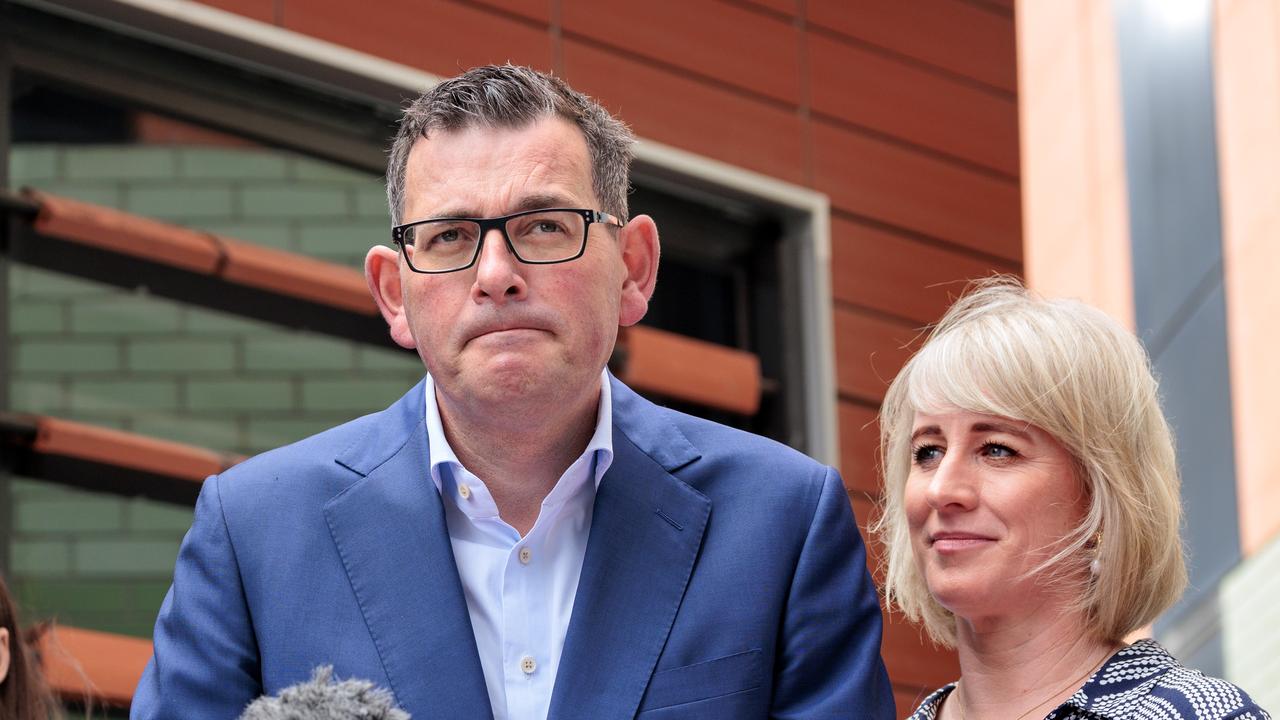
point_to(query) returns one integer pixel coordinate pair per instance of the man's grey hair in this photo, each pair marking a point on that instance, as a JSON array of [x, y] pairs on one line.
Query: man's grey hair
[[511, 96]]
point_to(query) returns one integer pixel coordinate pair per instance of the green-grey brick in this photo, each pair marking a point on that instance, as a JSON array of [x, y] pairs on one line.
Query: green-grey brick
[[297, 352], [96, 514], [36, 395], [39, 558], [209, 321], [30, 282], [240, 394], [31, 317], [150, 593], [123, 162], [118, 557], [310, 169], [124, 314], [272, 233], [231, 164], [390, 358], [267, 433], [354, 395], [146, 516], [40, 356], [123, 395], [295, 200], [180, 355], [343, 237], [97, 193], [30, 489], [32, 164], [222, 433], [372, 203], [184, 202], [50, 596]]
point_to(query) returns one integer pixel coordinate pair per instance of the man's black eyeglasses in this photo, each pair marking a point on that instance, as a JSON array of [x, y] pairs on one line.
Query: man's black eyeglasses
[[536, 237]]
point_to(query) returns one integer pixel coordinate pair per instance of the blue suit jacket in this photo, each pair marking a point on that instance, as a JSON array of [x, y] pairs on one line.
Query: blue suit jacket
[[724, 578]]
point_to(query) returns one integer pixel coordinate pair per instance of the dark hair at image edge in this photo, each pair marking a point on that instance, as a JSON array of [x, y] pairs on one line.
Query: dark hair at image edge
[[23, 693]]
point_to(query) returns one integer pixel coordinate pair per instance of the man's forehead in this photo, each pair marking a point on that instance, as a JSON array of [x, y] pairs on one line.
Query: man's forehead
[[538, 164]]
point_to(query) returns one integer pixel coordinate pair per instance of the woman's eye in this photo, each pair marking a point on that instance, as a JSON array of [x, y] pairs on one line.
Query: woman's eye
[[926, 454], [996, 450]]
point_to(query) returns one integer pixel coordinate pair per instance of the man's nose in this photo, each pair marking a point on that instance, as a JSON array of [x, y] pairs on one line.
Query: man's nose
[[954, 484], [499, 275]]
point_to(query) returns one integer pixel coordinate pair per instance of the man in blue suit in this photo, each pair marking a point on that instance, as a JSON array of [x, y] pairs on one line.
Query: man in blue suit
[[521, 535]]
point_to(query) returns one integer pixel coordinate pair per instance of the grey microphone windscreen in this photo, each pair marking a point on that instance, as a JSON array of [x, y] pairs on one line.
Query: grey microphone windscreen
[[324, 699]]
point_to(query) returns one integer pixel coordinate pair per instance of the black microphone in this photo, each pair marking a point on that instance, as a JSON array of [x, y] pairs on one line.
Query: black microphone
[[324, 699]]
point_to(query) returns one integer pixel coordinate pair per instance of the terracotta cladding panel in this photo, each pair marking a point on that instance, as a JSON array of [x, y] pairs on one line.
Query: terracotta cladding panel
[[950, 34], [674, 109], [263, 10], [899, 275], [869, 352], [433, 35], [917, 191], [790, 7], [912, 658], [738, 46], [859, 437], [884, 94], [539, 10]]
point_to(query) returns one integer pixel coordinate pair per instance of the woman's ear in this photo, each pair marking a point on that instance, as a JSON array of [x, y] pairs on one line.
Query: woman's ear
[[640, 251], [382, 273]]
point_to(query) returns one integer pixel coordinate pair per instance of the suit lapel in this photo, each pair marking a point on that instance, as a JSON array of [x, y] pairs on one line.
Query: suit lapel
[[390, 531], [646, 530]]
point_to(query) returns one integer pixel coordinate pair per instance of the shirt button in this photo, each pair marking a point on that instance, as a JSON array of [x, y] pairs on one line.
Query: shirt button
[[525, 555], [465, 491], [528, 665]]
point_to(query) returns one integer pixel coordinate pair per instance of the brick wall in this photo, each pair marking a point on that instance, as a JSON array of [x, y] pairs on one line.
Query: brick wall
[[91, 352]]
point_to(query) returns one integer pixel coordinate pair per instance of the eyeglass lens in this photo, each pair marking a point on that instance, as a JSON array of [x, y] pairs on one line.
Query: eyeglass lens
[[548, 236]]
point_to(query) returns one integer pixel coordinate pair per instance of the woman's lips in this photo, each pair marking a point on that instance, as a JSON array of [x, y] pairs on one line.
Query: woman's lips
[[958, 542]]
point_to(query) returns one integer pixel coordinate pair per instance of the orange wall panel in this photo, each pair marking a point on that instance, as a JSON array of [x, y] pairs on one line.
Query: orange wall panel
[[539, 10], [677, 110], [869, 352], [433, 35], [1247, 89], [899, 275], [954, 35], [859, 438], [916, 191], [913, 659], [751, 50], [883, 93]]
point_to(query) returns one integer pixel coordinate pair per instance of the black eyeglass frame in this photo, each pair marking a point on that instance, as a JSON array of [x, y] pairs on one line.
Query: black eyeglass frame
[[500, 224]]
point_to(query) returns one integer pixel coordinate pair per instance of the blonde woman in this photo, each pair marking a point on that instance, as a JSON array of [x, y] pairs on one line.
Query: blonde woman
[[1031, 515]]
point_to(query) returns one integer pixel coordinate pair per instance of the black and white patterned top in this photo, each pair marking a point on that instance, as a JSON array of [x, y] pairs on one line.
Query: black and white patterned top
[[1140, 682]]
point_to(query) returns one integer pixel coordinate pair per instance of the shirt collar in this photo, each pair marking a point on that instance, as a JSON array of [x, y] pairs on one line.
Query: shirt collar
[[600, 445]]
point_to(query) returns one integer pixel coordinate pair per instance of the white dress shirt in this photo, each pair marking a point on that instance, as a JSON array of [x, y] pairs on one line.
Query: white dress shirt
[[520, 591]]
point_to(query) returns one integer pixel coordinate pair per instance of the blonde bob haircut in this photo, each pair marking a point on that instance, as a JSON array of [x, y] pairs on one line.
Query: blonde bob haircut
[[1073, 372]]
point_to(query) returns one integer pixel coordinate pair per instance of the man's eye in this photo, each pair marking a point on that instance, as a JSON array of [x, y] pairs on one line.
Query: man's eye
[[548, 227], [925, 454]]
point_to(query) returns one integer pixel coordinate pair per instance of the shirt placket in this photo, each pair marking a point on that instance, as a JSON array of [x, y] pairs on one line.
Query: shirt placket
[[525, 661]]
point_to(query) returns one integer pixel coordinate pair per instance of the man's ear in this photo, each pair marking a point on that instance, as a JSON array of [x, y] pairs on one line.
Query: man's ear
[[640, 250], [4, 654], [382, 272]]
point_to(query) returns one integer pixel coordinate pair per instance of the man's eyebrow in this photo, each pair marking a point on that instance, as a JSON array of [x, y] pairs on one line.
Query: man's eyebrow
[[536, 201], [543, 200]]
